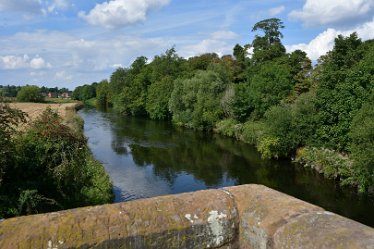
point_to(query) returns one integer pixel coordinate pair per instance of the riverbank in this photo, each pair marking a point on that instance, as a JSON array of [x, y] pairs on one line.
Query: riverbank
[[147, 158], [47, 165], [329, 163]]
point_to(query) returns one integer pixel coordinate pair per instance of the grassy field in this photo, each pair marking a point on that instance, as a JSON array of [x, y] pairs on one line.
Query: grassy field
[[33, 110]]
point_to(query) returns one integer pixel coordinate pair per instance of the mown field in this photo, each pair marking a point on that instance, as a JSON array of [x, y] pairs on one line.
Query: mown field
[[34, 110]]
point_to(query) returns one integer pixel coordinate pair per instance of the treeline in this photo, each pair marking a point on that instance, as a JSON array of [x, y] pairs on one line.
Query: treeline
[[32, 93], [12, 90], [85, 92], [265, 96], [9, 90], [47, 166]]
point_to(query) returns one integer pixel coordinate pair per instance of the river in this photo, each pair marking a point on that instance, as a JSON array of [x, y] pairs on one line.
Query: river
[[146, 158]]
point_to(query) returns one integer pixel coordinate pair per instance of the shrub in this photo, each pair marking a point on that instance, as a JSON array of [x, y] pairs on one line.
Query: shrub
[[328, 162], [268, 147], [53, 170], [253, 132], [195, 102], [30, 94], [9, 119], [229, 127], [362, 145]]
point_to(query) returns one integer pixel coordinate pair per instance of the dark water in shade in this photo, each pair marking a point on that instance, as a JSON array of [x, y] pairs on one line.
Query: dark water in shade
[[146, 158]]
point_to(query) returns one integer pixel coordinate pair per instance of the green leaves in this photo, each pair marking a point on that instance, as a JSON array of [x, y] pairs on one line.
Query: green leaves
[[158, 96], [30, 94], [344, 85], [268, 46], [47, 167], [195, 102], [362, 146]]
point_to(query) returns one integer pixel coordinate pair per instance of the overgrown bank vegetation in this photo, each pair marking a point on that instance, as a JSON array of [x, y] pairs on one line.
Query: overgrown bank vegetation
[[264, 96], [47, 166]]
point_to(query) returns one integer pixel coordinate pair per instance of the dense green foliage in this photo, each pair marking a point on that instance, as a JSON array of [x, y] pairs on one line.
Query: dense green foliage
[[47, 167], [84, 92], [195, 102], [265, 96], [30, 94], [102, 93], [9, 91], [362, 146]]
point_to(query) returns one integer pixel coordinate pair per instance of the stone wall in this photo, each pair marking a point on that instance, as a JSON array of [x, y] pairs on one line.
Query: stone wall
[[248, 216]]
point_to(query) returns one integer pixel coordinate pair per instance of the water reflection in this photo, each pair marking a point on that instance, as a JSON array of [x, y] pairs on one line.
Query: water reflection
[[148, 158]]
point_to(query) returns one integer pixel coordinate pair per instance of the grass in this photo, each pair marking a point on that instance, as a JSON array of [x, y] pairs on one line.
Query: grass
[[90, 102], [59, 101], [34, 110]]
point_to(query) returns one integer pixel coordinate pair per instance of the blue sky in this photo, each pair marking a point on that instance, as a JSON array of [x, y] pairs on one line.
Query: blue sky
[[67, 43]]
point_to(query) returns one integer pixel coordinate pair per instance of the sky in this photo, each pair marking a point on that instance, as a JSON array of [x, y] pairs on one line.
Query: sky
[[67, 43]]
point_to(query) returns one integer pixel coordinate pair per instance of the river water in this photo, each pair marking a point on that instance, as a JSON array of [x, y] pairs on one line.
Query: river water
[[146, 158]]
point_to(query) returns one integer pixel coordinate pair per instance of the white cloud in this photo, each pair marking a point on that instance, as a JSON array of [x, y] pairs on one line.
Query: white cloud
[[56, 5], [13, 62], [10, 62], [39, 63], [119, 13], [88, 59], [320, 45], [324, 42], [118, 65], [334, 12], [61, 75], [277, 10]]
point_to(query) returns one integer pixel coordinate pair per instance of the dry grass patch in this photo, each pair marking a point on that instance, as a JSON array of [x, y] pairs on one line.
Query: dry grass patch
[[66, 110]]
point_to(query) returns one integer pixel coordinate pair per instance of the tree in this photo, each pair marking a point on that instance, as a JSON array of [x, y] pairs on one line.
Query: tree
[[268, 46], [117, 82], [300, 69], [163, 70], [271, 29], [167, 64], [241, 104], [362, 145], [268, 87], [195, 102], [133, 84], [85, 92], [239, 67], [30, 94], [158, 97], [9, 91], [345, 81], [239, 52], [202, 62], [102, 93]]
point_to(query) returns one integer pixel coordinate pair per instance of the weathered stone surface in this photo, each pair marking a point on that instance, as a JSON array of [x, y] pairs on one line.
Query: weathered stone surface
[[324, 230], [204, 219], [248, 216], [262, 211]]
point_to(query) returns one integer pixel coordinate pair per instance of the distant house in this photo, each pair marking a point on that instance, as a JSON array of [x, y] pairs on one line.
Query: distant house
[[65, 95], [52, 95]]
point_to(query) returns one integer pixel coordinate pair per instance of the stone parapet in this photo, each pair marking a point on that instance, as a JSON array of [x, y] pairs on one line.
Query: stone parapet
[[247, 216]]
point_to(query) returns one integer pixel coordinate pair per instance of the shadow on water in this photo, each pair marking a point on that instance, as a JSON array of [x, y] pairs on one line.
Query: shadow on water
[[148, 158]]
